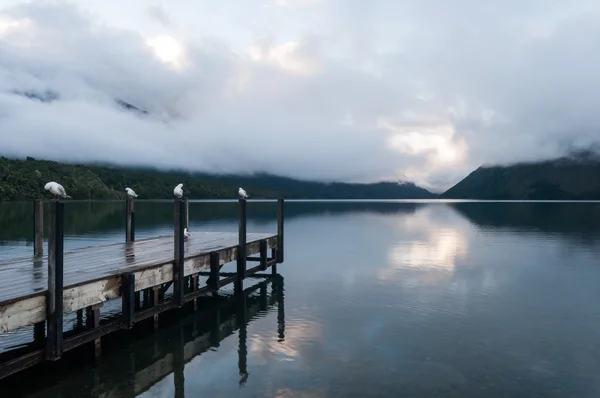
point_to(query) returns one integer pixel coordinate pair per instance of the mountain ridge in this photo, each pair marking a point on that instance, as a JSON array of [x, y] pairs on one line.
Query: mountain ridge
[[575, 176]]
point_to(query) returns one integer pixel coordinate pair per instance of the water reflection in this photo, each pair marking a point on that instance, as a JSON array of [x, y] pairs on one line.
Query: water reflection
[[156, 365], [398, 299], [107, 217], [572, 221], [434, 243]]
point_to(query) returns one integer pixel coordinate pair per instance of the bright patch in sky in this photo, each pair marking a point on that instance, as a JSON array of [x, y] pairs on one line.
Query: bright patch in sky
[[169, 50]]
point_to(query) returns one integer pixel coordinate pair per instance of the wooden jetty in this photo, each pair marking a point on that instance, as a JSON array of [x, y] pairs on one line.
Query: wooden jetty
[[39, 290]]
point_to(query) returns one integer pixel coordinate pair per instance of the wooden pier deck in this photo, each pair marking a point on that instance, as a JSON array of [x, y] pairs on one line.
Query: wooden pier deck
[[38, 290]]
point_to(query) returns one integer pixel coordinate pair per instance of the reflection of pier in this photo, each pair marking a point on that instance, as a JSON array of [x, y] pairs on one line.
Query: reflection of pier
[[175, 346]]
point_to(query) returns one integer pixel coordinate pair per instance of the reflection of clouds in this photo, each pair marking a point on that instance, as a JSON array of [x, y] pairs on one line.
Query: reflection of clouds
[[433, 247], [439, 251], [297, 332], [288, 392]]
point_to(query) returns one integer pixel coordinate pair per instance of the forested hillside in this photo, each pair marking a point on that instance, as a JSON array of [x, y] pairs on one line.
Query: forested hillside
[[25, 179], [574, 177]]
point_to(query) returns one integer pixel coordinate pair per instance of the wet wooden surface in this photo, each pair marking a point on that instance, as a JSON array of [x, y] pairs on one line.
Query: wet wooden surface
[[27, 276]]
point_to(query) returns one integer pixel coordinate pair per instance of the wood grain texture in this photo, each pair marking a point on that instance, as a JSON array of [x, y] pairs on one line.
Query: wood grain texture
[[93, 275]]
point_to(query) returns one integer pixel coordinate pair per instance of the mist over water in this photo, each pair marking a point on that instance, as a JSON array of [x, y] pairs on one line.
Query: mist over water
[[460, 299]]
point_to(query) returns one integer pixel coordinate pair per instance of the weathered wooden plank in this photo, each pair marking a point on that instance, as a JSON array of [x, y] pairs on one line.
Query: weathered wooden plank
[[153, 277], [22, 313], [17, 313], [27, 279], [86, 295]]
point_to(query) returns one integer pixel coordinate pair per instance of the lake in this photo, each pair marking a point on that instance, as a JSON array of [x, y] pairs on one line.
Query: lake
[[375, 299]]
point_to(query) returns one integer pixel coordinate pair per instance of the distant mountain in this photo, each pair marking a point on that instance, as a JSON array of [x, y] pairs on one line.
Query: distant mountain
[[50, 96], [24, 179], [573, 177]]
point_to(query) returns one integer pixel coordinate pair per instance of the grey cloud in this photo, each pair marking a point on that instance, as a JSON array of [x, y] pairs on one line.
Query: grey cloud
[[159, 14], [516, 81]]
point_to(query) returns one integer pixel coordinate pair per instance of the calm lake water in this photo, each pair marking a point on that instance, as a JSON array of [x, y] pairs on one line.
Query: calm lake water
[[375, 299]]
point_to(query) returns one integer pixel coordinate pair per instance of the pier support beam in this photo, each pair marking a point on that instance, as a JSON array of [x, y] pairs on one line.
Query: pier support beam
[[39, 333], [93, 322], [241, 250], [154, 294], [264, 247], [215, 265], [38, 228], [129, 220], [128, 296], [54, 298]]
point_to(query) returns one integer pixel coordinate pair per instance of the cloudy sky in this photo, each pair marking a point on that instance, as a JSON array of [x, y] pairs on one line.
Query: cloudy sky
[[348, 90]]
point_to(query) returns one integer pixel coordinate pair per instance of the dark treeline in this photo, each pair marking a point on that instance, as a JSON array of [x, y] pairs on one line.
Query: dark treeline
[[25, 179]]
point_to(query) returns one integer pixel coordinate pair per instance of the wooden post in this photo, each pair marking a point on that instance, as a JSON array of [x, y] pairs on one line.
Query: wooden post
[[39, 333], [93, 322], [38, 227], [194, 288], [241, 249], [279, 230], [215, 264], [187, 213], [263, 254], [155, 303], [54, 298], [79, 322], [129, 220], [128, 296], [138, 300], [274, 266], [178, 279]]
